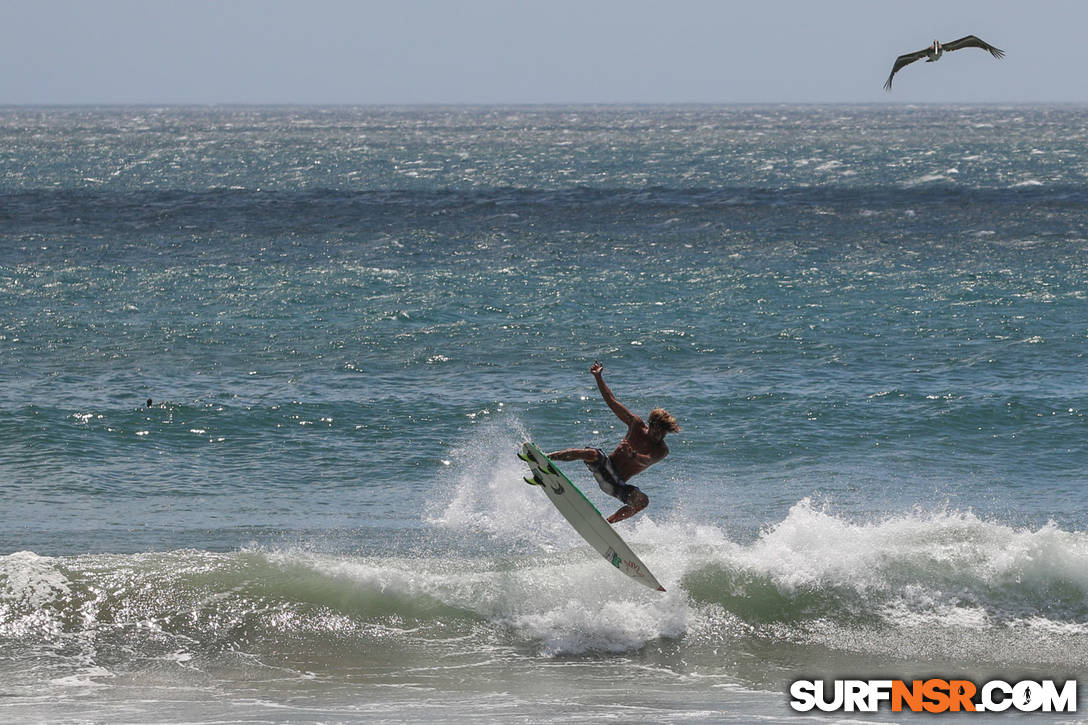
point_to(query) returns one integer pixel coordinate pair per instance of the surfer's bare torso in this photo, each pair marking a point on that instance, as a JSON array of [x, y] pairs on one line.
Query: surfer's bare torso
[[637, 451]]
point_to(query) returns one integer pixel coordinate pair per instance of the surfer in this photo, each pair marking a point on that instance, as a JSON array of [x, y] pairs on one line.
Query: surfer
[[643, 446]]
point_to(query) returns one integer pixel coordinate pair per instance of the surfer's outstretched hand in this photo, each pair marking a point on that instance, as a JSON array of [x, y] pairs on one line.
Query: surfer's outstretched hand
[[597, 368]]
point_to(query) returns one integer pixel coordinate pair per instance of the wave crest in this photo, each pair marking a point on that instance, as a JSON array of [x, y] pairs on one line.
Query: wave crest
[[813, 578], [922, 566]]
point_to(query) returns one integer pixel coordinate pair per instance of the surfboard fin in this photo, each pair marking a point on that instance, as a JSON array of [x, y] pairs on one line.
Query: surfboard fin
[[533, 481], [524, 457]]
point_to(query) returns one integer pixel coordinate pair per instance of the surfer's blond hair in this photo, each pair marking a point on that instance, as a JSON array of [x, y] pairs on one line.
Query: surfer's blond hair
[[662, 417]]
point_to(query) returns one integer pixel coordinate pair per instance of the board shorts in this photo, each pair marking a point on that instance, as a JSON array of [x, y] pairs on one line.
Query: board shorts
[[607, 478]]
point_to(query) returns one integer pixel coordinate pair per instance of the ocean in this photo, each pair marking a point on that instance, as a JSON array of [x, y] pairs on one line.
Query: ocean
[[264, 372]]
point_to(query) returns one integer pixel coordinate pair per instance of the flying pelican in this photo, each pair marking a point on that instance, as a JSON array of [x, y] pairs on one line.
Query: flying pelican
[[935, 51]]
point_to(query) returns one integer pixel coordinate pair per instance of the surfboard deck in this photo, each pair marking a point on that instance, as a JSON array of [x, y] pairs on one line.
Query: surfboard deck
[[585, 518]]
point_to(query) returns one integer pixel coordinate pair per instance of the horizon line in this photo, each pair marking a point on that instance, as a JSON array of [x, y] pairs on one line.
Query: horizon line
[[518, 104]]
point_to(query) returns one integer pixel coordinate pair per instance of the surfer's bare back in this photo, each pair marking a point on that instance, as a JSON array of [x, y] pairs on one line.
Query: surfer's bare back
[[643, 446]]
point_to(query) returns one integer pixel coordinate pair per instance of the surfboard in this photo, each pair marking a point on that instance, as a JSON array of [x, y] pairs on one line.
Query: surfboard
[[584, 517]]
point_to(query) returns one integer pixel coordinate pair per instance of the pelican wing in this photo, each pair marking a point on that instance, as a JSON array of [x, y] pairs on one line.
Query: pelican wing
[[905, 59], [973, 41]]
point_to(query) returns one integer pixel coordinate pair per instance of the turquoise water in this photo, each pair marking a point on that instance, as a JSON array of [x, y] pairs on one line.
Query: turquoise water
[[869, 321]]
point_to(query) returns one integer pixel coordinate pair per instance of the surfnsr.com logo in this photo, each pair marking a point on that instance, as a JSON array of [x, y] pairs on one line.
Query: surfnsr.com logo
[[933, 695]]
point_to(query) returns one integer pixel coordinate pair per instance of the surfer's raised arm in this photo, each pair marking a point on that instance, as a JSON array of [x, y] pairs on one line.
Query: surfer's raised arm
[[617, 407]]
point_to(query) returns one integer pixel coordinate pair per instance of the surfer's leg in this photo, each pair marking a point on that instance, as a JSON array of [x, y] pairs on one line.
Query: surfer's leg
[[589, 455], [636, 501]]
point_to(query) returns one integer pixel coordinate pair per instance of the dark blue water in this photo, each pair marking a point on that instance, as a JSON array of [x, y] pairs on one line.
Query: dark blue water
[[869, 321]]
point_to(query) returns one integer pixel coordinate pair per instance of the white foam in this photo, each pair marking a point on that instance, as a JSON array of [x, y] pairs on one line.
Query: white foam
[[487, 494], [813, 546], [926, 179], [28, 585], [87, 678]]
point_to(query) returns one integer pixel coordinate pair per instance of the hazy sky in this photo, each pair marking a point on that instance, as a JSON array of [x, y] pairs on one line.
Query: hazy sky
[[547, 51]]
